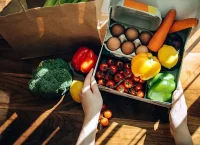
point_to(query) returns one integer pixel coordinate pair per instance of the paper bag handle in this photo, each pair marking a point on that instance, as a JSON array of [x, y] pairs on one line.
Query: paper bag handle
[[20, 3]]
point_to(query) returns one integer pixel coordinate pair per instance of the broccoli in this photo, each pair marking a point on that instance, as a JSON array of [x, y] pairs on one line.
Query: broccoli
[[51, 78]]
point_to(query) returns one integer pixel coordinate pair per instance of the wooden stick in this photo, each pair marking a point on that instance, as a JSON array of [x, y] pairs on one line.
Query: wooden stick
[[8, 122], [36, 124], [51, 135]]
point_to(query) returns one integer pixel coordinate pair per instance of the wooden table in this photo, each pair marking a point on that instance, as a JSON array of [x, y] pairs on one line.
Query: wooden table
[[133, 122]]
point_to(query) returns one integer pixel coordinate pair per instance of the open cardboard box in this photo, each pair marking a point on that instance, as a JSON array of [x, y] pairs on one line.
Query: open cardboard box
[[148, 21]]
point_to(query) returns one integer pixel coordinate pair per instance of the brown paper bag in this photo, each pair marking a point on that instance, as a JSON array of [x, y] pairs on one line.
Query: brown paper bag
[[51, 30]]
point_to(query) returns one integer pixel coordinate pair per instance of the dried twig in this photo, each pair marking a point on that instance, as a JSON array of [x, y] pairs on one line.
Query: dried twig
[[36, 124], [8, 122], [51, 135]]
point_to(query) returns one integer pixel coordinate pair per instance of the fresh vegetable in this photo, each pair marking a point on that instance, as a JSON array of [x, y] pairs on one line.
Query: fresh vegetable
[[113, 69], [107, 114], [110, 62], [108, 77], [136, 79], [127, 65], [75, 90], [145, 65], [120, 88], [101, 82], [100, 116], [119, 64], [103, 67], [183, 24], [103, 107], [168, 56], [99, 74], [110, 84], [118, 77], [104, 121], [174, 40], [159, 37], [128, 83], [84, 60], [141, 81], [51, 78], [49, 3], [140, 94], [161, 87], [128, 73], [139, 87], [132, 92]]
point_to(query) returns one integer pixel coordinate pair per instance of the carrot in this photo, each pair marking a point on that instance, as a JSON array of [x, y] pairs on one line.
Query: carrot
[[159, 37], [183, 24], [50, 136]]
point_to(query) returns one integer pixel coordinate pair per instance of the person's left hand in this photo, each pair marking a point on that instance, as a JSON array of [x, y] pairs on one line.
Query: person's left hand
[[91, 99]]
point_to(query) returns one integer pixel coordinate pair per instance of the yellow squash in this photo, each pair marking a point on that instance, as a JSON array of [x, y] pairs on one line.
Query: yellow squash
[[145, 66]]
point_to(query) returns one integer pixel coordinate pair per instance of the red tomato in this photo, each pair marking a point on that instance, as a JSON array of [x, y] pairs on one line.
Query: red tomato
[[120, 88], [103, 67], [121, 72], [101, 82], [103, 107], [99, 74], [141, 81], [100, 116], [110, 62], [119, 64], [128, 72], [136, 79], [127, 65], [132, 92], [110, 84], [126, 90], [107, 114], [139, 86], [118, 77], [108, 77], [140, 94], [104, 121], [113, 69], [128, 83]]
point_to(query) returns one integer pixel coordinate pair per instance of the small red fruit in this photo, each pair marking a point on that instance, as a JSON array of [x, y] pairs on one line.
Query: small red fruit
[[104, 121], [141, 81], [99, 75], [139, 87], [101, 82], [107, 114], [128, 72], [103, 107], [127, 65], [110, 62], [136, 79], [100, 116], [108, 76], [132, 92], [140, 94], [103, 67], [121, 88], [128, 83], [113, 69], [110, 84], [118, 77], [119, 64], [126, 90]]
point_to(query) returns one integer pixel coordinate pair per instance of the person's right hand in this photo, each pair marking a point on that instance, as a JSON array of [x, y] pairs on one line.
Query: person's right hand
[[178, 118], [91, 99]]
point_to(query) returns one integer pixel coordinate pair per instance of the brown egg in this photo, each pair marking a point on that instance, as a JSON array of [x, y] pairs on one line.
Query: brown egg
[[142, 48], [127, 47], [117, 30], [132, 34], [113, 43], [145, 37]]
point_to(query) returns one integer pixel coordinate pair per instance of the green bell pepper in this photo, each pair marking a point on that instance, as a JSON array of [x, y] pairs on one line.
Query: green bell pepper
[[161, 87]]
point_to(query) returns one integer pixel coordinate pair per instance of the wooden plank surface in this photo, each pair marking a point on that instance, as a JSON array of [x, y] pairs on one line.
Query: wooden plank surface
[[133, 122]]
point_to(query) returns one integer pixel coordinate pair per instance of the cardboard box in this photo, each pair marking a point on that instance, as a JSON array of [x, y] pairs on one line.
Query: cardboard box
[[148, 20]]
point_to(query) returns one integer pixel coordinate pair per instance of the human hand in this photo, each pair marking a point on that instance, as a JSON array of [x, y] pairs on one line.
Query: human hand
[[178, 118], [91, 99]]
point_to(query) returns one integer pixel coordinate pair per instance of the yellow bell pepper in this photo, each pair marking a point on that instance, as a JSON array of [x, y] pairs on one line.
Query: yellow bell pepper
[[145, 66]]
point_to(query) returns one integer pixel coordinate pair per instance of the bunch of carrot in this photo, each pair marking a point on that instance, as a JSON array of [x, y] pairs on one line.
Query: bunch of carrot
[[169, 26], [50, 3]]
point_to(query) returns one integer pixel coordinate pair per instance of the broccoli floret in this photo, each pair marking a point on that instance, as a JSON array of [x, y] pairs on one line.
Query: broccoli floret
[[51, 78]]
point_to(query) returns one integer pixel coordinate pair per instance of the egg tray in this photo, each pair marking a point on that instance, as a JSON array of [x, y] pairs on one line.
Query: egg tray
[[118, 55]]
